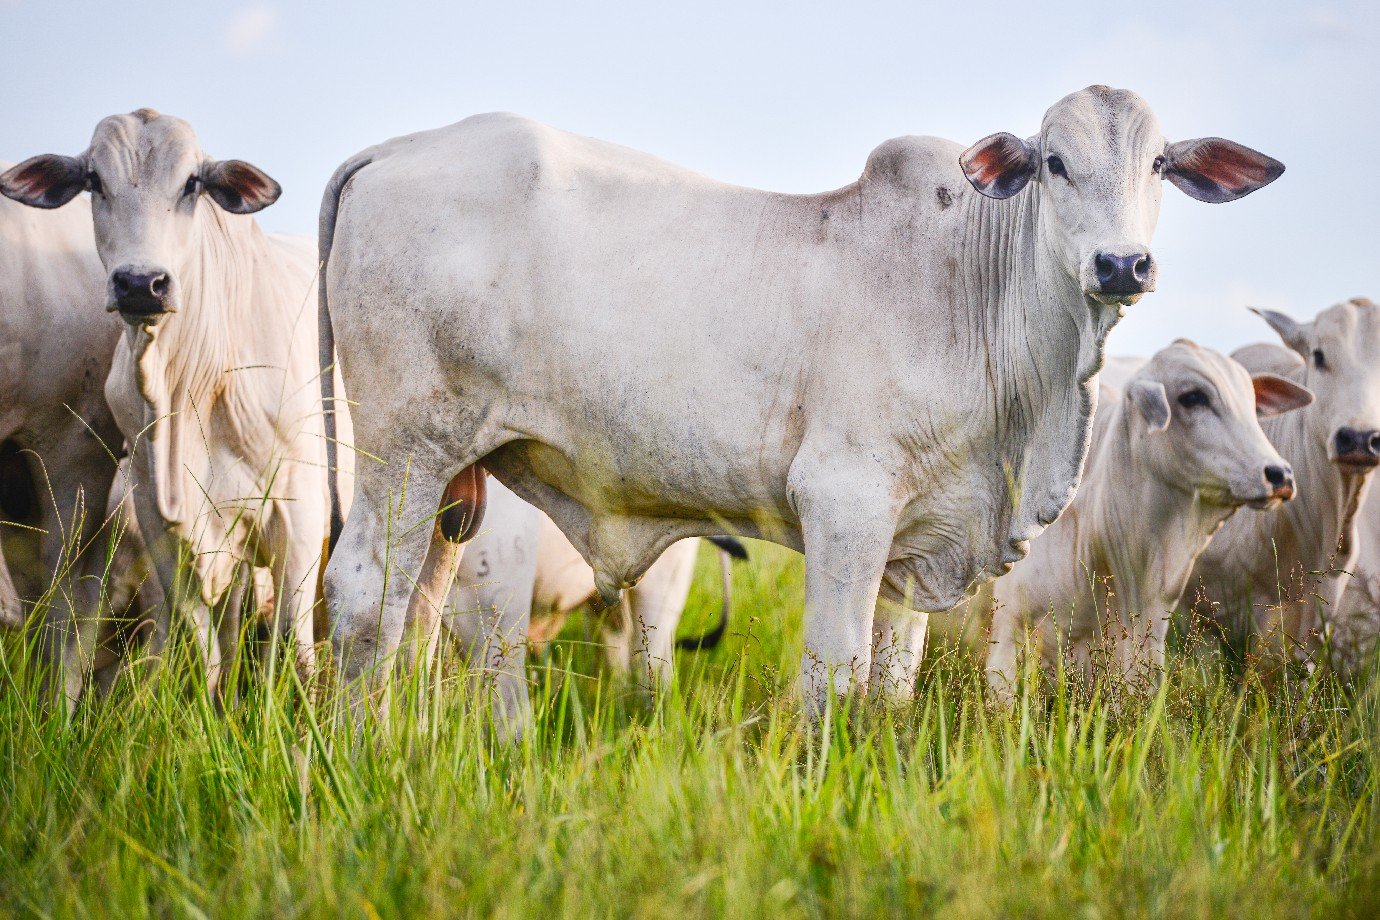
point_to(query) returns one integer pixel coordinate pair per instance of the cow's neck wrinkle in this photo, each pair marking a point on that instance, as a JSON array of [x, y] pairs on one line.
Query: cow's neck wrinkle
[[1040, 342], [1149, 531], [185, 365], [1329, 499]]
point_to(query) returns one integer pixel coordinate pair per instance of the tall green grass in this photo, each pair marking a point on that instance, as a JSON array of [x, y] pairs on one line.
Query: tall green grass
[[715, 800]]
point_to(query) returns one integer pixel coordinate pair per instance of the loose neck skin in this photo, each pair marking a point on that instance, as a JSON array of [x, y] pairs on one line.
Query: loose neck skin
[[1029, 309], [1313, 533]]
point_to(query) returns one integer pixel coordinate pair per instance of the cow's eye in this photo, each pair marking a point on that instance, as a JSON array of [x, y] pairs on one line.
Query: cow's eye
[[191, 187], [1056, 167], [93, 182], [1157, 167], [1193, 399], [1318, 360]]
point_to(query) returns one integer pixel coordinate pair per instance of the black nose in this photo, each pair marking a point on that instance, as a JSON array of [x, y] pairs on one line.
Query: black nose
[[1281, 480], [1123, 274], [1361, 448], [144, 293]]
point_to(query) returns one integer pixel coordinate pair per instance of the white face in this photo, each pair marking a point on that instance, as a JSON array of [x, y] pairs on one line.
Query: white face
[[1341, 354], [1199, 413], [1097, 166], [147, 174]]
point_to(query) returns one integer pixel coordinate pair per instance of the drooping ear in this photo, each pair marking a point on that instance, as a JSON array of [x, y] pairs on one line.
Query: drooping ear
[[1275, 395], [1151, 401], [1215, 170], [47, 181], [1000, 165], [239, 187], [1293, 334]]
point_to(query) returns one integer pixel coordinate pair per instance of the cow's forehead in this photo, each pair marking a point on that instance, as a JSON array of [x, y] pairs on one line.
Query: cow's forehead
[[1188, 363], [1100, 117], [1353, 322], [145, 143]]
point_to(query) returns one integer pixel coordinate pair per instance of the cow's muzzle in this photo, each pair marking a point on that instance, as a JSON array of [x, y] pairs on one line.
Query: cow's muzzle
[[141, 296], [1356, 448]]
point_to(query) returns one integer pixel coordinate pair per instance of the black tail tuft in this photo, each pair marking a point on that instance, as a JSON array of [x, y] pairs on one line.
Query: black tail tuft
[[732, 546]]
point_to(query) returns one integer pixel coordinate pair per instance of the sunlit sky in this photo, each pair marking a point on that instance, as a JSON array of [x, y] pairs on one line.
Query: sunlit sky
[[789, 96]]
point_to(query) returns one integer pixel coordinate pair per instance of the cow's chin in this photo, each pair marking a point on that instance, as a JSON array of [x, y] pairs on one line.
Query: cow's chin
[[1112, 300]]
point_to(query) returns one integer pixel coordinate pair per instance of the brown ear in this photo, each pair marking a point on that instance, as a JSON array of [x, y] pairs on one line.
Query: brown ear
[[463, 504], [1275, 395], [999, 165], [47, 181], [1215, 170], [239, 187]]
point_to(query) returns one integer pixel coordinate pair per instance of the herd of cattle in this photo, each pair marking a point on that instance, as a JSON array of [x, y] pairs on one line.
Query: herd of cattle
[[899, 378]]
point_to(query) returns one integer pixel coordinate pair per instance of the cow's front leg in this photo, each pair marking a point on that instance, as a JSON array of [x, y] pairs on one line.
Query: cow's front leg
[[898, 645], [848, 529], [293, 566]]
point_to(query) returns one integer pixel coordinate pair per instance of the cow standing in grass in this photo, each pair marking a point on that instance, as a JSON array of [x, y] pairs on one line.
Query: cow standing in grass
[[893, 377], [60, 440], [1272, 581], [213, 380], [1172, 459]]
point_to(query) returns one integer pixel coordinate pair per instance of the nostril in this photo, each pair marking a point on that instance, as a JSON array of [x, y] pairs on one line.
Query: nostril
[[1275, 475], [1106, 268], [121, 284], [159, 285], [1346, 441], [1142, 268], [1373, 442]]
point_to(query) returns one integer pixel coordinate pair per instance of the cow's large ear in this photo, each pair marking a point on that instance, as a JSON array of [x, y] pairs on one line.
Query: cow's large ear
[[47, 181], [1275, 395], [1151, 402], [1001, 165], [1215, 170], [1293, 334], [239, 187]]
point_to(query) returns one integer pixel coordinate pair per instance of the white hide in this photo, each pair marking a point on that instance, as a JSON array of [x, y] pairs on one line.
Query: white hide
[[893, 377], [55, 345], [1276, 577], [214, 386], [1102, 582]]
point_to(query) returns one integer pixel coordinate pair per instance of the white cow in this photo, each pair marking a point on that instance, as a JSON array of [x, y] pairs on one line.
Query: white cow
[[60, 441], [213, 379], [892, 377], [519, 580], [1275, 577], [1353, 628], [1171, 460]]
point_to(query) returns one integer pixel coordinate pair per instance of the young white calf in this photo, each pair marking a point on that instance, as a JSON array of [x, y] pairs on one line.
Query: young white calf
[[1171, 460]]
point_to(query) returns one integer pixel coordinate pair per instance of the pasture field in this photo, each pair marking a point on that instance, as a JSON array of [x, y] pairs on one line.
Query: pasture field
[[717, 800]]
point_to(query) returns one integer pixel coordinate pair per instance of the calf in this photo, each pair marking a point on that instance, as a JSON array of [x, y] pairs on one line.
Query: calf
[[1172, 459]]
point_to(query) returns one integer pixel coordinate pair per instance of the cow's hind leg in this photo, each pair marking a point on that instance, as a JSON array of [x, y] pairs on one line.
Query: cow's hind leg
[[378, 560]]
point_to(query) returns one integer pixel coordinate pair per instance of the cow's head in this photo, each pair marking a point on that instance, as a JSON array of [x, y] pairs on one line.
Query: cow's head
[[1196, 423], [148, 179], [1097, 166], [1340, 349]]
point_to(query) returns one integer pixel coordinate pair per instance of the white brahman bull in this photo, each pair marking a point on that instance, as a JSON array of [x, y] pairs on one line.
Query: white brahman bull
[[1275, 579], [893, 377], [60, 441], [213, 379], [1172, 459]]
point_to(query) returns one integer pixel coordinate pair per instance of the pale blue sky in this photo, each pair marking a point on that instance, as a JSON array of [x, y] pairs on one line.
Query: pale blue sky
[[788, 96]]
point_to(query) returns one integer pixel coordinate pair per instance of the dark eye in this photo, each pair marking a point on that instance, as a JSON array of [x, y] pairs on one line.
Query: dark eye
[[1056, 167], [191, 187], [93, 182], [1193, 399], [1157, 167], [1318, 360]]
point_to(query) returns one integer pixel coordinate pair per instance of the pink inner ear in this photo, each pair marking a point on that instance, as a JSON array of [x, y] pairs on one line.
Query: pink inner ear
[[1274, 395], [247, 182], [1229, 165], [40, 176], [993, 160]]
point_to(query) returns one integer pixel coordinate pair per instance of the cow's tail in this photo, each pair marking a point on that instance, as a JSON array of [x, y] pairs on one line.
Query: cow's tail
[[729, 549], [330, 207]]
